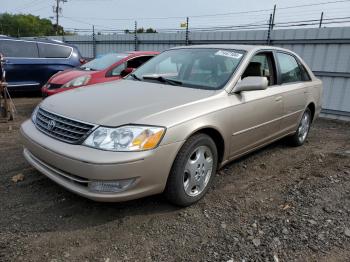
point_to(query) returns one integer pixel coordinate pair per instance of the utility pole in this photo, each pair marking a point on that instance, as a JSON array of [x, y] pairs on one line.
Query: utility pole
[[321, 20], [58, 10]]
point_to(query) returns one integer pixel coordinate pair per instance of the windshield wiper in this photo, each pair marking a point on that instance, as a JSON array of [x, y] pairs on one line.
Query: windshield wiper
[[135, 77], [163, 79]]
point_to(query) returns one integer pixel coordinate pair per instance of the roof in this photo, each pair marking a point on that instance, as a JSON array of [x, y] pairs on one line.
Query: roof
[[37, 40], [142, 52], [236, 47]]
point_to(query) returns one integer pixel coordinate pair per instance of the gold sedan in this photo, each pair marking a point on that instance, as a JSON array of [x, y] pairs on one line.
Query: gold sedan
[[170, 125]]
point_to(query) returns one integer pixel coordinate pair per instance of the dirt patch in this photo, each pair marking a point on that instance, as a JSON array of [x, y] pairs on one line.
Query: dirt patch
[[277, 204]]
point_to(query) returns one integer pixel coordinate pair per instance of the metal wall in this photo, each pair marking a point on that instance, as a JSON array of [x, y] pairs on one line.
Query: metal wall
[[325, 50]]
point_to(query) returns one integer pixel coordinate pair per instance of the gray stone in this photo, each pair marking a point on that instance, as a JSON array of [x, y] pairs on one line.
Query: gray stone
[[256, 242]]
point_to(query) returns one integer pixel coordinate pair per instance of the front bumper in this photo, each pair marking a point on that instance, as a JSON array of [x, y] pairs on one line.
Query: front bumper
[[45, 92], [74, 166]]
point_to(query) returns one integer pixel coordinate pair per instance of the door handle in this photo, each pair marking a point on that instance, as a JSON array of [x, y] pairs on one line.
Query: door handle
[[278, 98]]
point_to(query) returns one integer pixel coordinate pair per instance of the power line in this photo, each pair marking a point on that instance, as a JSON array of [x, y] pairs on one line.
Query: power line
[[213, 15], [86, 23], [28, 5], [251, 26]]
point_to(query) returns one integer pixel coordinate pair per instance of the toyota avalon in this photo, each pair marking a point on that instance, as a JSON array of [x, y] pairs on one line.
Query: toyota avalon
[[173, 122]]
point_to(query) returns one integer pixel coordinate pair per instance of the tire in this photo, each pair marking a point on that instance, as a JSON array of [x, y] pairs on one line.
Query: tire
[[196, 163], [299, 138]]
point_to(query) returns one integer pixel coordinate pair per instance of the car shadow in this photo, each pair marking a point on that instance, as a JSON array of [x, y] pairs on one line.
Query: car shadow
[[44, 206]]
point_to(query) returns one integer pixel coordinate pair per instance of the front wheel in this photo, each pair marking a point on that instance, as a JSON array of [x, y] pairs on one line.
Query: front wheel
[[192, 171], [302, 132]]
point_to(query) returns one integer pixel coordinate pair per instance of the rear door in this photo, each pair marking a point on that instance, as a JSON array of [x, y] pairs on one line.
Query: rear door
[[294, 82], [53, 58], [21, 67]]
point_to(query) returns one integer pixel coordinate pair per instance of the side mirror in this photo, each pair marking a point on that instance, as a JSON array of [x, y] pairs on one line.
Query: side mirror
[[126, 71], [251, 83]]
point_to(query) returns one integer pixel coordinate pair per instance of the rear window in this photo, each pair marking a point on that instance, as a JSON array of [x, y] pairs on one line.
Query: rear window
[[22, 49], [54, 51]]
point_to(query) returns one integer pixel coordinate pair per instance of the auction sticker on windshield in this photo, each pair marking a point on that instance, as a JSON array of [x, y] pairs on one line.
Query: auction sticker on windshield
[[228, 54]]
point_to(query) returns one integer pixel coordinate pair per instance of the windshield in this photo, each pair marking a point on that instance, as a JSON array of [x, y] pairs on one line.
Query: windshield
[[103, 62], [204, 68]]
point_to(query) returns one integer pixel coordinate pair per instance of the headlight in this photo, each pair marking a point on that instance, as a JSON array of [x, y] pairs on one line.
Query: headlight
[[34, 114], [79, 81], [125, 138]]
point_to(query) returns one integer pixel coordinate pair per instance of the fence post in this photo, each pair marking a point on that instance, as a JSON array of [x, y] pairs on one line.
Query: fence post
[[93, 42], [135, 37], [321, 20], [269, 31], [187, 32], [273, 17]]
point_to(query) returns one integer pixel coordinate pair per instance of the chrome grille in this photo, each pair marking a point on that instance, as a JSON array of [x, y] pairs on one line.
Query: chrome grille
[[62, 128]]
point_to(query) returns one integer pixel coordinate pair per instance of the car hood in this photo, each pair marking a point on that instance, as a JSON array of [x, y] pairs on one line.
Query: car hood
[[123, 102], [68, 75]]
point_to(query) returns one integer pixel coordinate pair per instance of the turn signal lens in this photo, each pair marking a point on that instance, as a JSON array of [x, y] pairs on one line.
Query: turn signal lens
[[153, 140]]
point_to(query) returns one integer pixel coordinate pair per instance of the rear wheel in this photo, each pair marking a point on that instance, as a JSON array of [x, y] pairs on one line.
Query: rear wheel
[[302, 132], [192, 171]]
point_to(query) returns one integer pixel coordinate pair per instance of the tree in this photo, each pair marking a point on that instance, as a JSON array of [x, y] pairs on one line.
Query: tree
[[26, 25], [151, 30], [140, 31]]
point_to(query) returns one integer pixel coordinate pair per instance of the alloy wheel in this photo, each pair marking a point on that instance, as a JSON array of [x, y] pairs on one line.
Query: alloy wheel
[[198, 170]]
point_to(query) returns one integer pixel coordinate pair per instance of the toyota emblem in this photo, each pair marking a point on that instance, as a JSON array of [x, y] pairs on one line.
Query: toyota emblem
[[51, 124]]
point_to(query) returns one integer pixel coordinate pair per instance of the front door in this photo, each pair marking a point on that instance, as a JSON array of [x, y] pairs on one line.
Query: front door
[[256, 115]]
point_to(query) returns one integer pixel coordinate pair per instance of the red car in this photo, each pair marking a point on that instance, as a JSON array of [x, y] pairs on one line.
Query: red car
[[106, 68]]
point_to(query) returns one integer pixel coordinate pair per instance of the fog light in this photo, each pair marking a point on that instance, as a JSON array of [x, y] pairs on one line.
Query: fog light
[[111, 186]]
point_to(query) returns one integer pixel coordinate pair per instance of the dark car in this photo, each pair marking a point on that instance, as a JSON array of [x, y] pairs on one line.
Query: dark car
[[30, 63]]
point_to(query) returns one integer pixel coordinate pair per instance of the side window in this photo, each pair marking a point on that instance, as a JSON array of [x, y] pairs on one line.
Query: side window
[[304, 73], [262, 64], [138, 61], [132, 63], [20, 49], [117, 70], [290, 69], [54, 51]]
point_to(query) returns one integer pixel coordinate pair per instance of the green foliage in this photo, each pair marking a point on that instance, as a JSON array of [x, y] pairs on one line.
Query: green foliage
[[19, 25], [141, 30], [151, 30]]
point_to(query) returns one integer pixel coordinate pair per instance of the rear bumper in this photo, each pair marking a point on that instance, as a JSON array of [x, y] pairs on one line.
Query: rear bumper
[[75, 166]]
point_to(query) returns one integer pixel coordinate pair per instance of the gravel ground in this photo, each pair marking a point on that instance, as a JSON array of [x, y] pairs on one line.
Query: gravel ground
[[278, 204]]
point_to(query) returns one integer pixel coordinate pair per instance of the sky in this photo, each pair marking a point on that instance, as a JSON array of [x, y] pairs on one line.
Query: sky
[[164, 14]]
